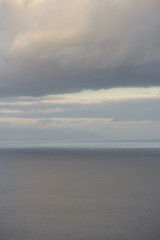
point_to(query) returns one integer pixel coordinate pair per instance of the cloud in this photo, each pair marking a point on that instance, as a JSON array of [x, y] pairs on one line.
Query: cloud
[[8, 111], [78, 122], [103, 95], [122, 104], [10, 103], [54, 122], [88, 97], [50, 46], [18, 121]]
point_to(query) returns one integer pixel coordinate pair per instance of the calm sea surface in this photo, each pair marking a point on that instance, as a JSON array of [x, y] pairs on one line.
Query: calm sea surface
[[79, 194]]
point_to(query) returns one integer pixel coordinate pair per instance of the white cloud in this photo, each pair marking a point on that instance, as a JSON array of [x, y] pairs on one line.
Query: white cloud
[[17, 103], [85, 97], [34, 122], [103, 95], [9, 111]]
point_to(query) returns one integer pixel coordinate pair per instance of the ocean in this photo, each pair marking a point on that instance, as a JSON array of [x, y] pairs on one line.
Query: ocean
[[58, 193]]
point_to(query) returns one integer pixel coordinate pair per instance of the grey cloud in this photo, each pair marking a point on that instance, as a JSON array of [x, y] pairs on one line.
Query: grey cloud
[[137, 110], [56, 47]]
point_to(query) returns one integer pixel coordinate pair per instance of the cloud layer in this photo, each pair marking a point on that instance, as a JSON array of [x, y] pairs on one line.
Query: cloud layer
[[65, 46], [113, 114]]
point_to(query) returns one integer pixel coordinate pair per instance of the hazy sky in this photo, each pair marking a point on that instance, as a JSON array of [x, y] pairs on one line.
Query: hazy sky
[[79, 69]]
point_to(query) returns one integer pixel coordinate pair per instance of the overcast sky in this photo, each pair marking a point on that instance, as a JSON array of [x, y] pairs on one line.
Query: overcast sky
[[79, 69]]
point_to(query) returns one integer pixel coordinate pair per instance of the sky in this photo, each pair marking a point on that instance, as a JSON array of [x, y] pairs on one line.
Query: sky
[[79, 70]]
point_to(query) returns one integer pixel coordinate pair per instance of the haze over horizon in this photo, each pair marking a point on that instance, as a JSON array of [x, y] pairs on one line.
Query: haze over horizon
[[83, 69]]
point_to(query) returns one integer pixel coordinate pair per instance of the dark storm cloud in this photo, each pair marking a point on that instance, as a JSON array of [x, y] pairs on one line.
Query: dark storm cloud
[[50, 47]]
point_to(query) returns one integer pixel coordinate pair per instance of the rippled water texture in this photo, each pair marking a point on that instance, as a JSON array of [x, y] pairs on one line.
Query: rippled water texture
[[69, 194]]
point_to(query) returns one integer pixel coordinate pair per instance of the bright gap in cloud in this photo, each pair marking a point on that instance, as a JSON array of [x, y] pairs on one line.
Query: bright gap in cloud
[[104, 95], [87, 97]]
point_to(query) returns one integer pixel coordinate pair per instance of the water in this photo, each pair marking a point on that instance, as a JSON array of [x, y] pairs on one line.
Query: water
[[79, 194]]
